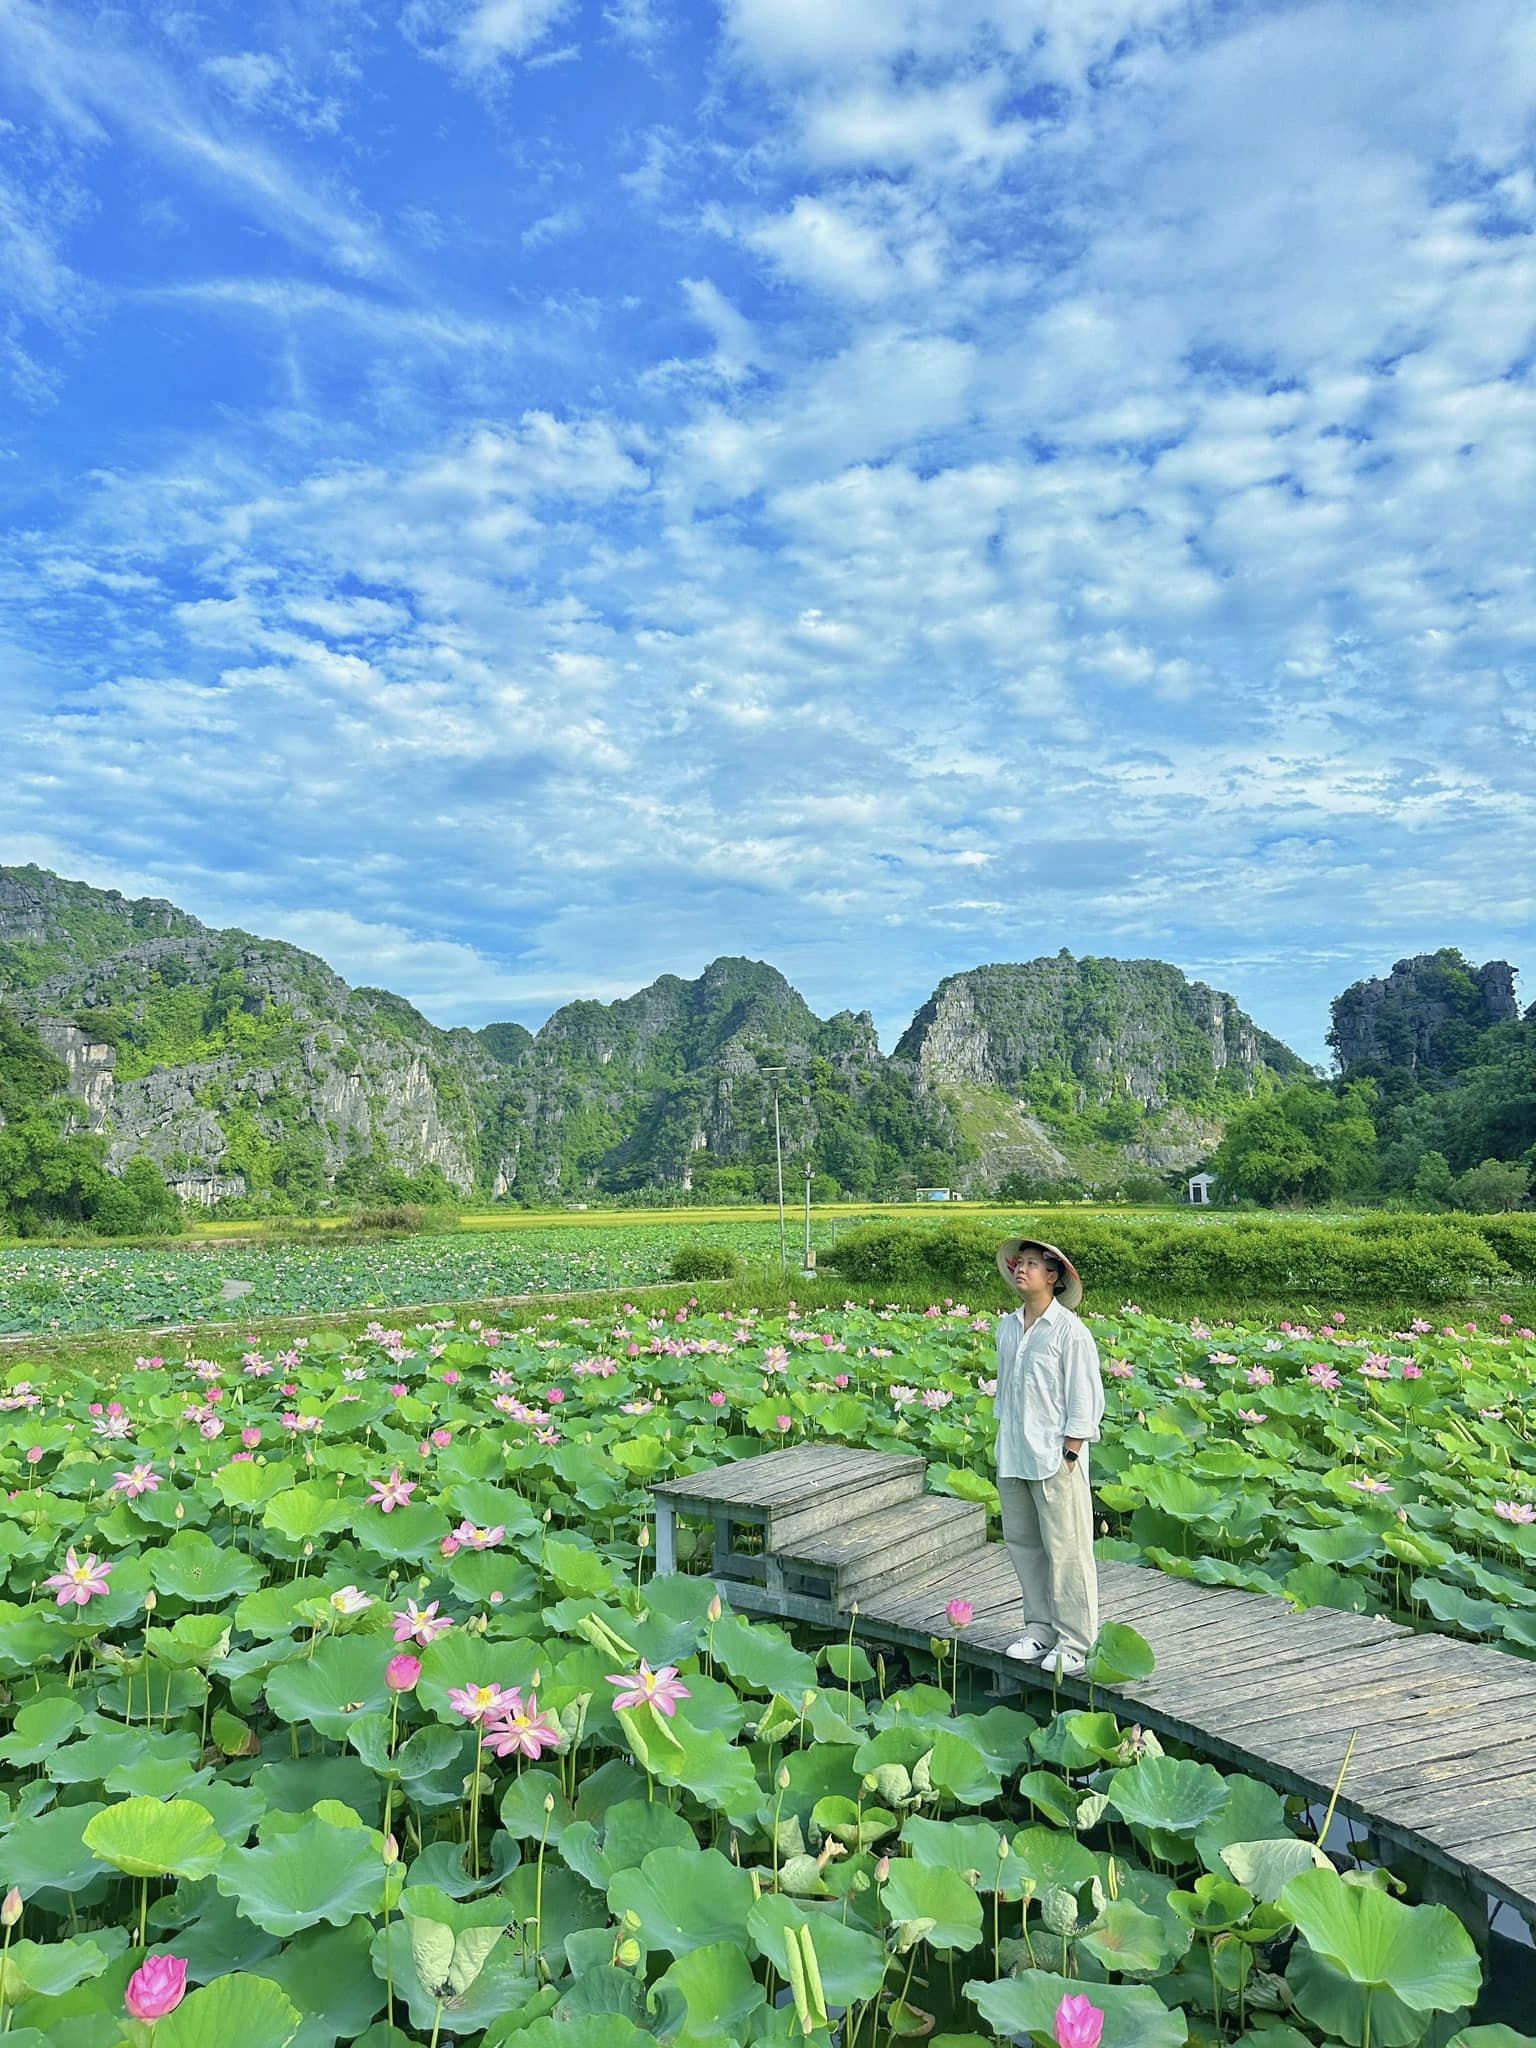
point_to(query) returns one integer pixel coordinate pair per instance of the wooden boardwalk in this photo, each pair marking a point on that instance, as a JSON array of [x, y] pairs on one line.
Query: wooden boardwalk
[[1444, 1764]]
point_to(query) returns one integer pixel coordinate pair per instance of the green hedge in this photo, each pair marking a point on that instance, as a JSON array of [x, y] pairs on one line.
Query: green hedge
[[1428, 1258]]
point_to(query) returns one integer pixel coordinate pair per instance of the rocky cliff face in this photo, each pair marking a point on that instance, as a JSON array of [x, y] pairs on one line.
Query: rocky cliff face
[[218, 1053], [1426, 1016], [1054, 1065]]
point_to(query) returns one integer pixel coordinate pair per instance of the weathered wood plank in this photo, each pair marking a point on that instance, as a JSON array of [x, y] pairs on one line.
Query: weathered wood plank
[[912, 1524], [1357, 1654], [864, 1493], [1279, 1733], [776, 1477], [1451, 1756]]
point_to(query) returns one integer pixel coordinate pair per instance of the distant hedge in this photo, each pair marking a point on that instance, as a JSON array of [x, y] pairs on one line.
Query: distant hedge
[[704, 1262], [1427, 1258]]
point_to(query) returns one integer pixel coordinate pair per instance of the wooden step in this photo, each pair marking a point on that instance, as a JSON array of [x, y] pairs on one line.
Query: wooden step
[[863, 1555], [862, 1494]]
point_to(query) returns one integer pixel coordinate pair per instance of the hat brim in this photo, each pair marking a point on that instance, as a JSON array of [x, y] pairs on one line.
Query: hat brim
[[1071, 1292]]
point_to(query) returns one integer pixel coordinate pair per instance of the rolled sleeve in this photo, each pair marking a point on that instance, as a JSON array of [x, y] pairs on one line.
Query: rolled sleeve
[[1084, 1388]]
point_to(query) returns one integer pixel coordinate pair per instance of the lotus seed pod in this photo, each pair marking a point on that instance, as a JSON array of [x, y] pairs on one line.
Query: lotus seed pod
[[632, 1920], [628, 1953]]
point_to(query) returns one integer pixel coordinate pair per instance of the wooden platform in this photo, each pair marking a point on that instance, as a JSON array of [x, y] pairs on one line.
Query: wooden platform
[[1444, 1766]]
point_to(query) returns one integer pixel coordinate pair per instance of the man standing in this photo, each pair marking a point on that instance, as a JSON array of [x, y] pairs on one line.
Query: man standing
[[1049, 1404]]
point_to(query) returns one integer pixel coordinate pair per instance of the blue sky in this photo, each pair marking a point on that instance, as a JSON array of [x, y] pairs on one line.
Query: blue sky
[[520, 496]]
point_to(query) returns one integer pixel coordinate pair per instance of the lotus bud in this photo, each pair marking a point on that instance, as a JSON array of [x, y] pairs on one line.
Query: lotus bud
[[535, 1681], [1004, 1848], [549, 1802], [391, 1850], [715, 1608], [10, 1908], [807, 1701], [782, 1781], [151, 1602], [853, 1610], [309, 1550], [882, 1870], [645, 1536], [181, 1513]]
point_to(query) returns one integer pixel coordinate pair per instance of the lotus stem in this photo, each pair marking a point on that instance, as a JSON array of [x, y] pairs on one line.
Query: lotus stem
[[474, 1821], [5, 1949], [1333, 1802], [437, 2023]]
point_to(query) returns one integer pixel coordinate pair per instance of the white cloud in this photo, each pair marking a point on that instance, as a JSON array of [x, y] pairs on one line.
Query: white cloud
[[477, 37]]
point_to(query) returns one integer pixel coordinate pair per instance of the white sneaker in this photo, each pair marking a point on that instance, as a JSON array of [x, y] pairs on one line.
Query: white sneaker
[[1061, 1662], [1027, 1650]]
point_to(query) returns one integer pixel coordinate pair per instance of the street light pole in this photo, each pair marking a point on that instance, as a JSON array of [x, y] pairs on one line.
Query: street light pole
[[809, 1266]]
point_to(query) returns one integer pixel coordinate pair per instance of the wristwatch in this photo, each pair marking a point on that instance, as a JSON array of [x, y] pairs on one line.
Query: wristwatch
[[1070, 1456]]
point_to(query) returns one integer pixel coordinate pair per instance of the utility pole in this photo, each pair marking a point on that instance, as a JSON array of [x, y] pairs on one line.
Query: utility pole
[[810, 1257], [778, 1154]]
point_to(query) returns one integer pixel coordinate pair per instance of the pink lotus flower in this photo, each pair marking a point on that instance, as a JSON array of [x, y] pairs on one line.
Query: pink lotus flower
[[1514, 1511], [782, 1423], [79, 1582], [522, 1730], [716, 1399], [1118, 1369], [961, 1613], [401, 1673], [142, 1479], [422, 1625], [1412, 1371], [470, 1538], [662, 1688], [1252, 1415], [250, 1438], [1188, 1379], [1371, 1485], [156, 1987], [393, 1492], [1079, 2022], [1323, 1376], [475, 1702], [1260, 1376]]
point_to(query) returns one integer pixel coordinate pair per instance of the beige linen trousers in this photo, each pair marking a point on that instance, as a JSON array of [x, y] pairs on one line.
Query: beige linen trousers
[[1048, 1531]]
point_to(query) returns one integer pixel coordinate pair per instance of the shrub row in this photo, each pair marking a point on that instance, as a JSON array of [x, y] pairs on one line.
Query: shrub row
[[1426, 1258]]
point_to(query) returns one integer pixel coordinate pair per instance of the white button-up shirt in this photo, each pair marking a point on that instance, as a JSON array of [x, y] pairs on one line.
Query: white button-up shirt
[[1048, 1389]]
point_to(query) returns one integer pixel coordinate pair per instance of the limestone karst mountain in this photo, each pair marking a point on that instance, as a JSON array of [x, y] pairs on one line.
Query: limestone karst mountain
[[239, 1063]]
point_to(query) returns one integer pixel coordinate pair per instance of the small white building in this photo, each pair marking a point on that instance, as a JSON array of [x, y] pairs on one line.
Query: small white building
[[1200, 1186], [935, 1195]]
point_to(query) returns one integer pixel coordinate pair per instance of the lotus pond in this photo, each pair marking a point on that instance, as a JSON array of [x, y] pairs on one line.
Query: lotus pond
[[341, 1704], [56, 1290]]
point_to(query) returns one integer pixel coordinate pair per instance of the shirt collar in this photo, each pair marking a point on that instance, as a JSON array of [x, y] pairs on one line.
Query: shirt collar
[[1052, 1309]]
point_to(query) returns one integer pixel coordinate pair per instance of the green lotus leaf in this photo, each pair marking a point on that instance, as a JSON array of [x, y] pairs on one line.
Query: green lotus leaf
[[1495, 2036], [761, 1657], [595, 2030], [505, 1984], [249, 2010], [1421, 1954], [494, 1577], [106, 1747], [963, 1845], [1076, 1741], [413, 1532], [306, 1512], [1215, 1904], [1266, 1868], [327, 1974], [426, 1750], [452, 1940], [599, 1987], [193, 1567], [191, 1643], [684, 1898], [851, 1960], [847, 1663], [463, 1658], [1120, 1656], [1254, 1812], [958, 1768], [344, 1678], [921, 1891], [717, 1988], [156, 1838], [36, 1969], [251, 1483], [28, 1640], [715, 1771], [576, 1567], [48, 1851], [1337, 2006], [1052, 1858], [522, 1807], [630, 1831], [1169, 1793], [315, 1871], [1126, 1939], [39, 1728], [1134, 2015], [1053, 1796]]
